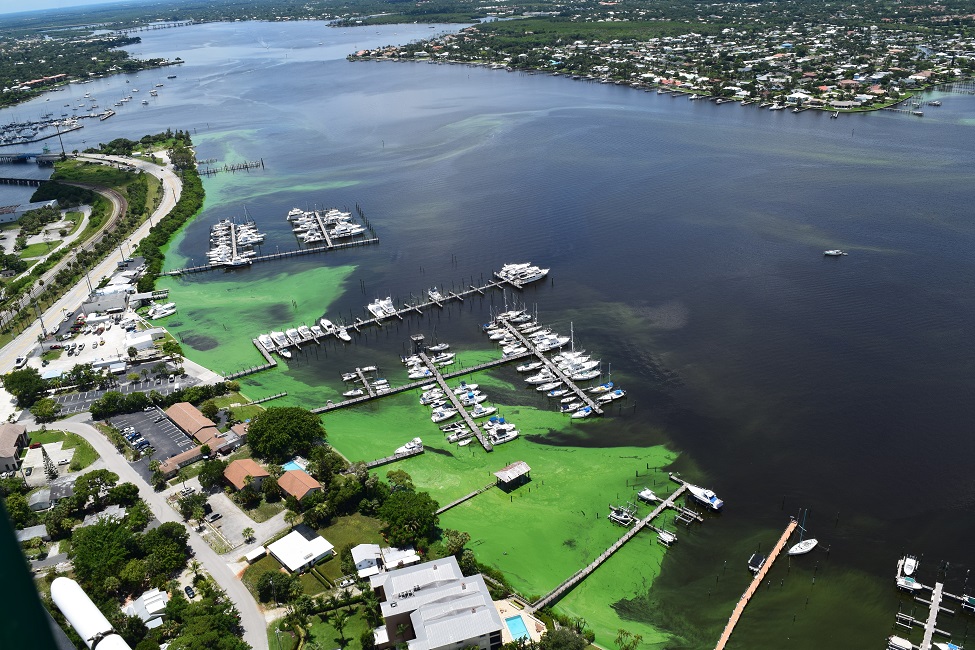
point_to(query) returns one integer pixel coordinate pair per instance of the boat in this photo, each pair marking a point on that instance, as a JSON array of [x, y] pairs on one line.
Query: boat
[[585, 376], [501, 436], [317, 332], [705, 496], [439, 347], [435, 295], [284, 352], [803, 547], [619, 393], [571, 407], [620, 515], [343, 335], [305, 331], [646, 494], [472, 399], [910, 565], [368, 369], [464, 442], [440, 415], [541, 378], [907, 583], [430, 398], [421, 373], [834, 115], [552, 385], [948, 645], [464, 388], [756, 562], [834, 252], [279, 339], [602, 388], [934, 103], [558, 392], [666, 537], [584, 412], [350, 376], [172, 76], [529, 367], [411, 447], [897, 643], [293, 335], [453, 427], [266, 342], [376, 308], [355, 392], [442, 357], [327, 325], [480, 411]]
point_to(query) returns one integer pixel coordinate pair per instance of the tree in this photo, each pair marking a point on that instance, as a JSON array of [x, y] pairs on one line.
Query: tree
[[25, 384], [209, 409], [276, 586], [367, 640], [279, 433], [562, 638], [211, 473], [248, 534], [190, 503], [292, 517], [20, 513], [124, 494], [399, 480], [270, 489], [99, 551], [627, 641], [45, 410], [339, 618], [94, 487], [409, 517]]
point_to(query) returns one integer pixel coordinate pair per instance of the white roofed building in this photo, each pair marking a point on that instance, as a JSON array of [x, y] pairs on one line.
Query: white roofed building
[[297, 551], [440, 608], [150, 607]]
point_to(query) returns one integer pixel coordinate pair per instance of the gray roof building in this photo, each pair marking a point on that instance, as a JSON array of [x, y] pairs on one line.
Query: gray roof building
[[441, 607], [32, 532]]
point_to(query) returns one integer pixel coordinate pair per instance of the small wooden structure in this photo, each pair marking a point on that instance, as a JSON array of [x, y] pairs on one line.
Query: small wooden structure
[[513, 475]]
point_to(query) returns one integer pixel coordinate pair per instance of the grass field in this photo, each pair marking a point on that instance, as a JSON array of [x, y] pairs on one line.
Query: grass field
[[39, 249], [84, 454]]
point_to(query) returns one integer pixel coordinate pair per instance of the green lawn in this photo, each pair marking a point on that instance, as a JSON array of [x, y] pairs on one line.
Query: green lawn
[[51, 355], [253, 573], [84, 454], [357, 529], [242, 413], [41, 248], [265, 510], [326, 636]]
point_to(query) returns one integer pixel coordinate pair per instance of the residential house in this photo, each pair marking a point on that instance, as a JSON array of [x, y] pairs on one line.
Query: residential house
[[433, 606], [298, 484], [150, 607], [238, 471], [196, 425], [13, 440], [300, 549]]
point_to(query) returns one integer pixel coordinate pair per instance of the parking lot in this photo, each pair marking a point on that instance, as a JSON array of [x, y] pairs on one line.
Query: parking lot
[[163, 435]]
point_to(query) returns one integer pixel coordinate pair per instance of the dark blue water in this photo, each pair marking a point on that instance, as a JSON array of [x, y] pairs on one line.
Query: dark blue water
[[686, 245]]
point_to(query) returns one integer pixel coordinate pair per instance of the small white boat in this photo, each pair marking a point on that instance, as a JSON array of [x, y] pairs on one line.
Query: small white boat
[[350, 376], [835, 252], [705, 496], [464, 442], [910, 565], [947, 646], [646, 494], [369, 369], [440, 415], [803, 547], [317, 332], [464, 388], [501, 436], [620, 515], [897, 643], [355, 392], [420, 373], [584, 412], [585, 376], [435, 295], [571, 407], [602, 388], [530, 367], [480, 411], [907, 583], [552, 385], [543, 377], [284, 352], [266, 342], [558, 392], [412, 446], [343, 335], [327, 326], [439, 347]]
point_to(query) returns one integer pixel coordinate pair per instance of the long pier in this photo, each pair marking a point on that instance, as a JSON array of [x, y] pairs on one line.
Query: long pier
[[392, 459], [30, 182], [471, 424], [554, 368], [269, 363], [466, 497], [753, 587], [583, 573], [932, 621], [205, 268]]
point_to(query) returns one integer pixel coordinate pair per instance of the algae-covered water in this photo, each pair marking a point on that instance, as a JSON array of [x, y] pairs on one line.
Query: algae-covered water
[[685, 241]]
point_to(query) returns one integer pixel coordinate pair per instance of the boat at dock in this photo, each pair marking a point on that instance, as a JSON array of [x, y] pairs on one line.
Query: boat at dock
[[266, 342], [412, 446], [480, 411], [571, 407], [355, 392], [898, 643], [647, 495], [280, 340], [440, 415], [439, 347], [907, 583], [909, 565], [834, 252], [584, 412], [343, 334], [465, 388], [622, 515], [803, 547], [376, 308], [284, 352], [705, 496], [435, 295], [500, 436], [293, 335], [327, 326], [530, 367], [602, 388]]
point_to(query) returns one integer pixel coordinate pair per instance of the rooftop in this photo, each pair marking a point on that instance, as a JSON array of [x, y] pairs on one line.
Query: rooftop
[[296, 551], [298, 483], [238, 471]]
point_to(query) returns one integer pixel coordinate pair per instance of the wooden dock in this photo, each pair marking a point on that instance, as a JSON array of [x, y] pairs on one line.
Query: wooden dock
[[269, 363], [756, 583], [466, 497], [468, 420], [266, 399], [392, 459], [551, 365], [581, 574], [934, 608], [205, 268]]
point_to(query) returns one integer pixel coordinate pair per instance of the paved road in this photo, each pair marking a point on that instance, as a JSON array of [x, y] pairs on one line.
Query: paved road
[[251, 617], [171, 188]]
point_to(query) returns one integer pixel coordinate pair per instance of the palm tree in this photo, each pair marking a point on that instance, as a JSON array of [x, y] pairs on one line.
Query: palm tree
[[339, 618], [248, 533], [195, 567]]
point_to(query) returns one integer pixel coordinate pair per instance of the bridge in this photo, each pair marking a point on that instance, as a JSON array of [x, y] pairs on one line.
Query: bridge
[[29, 182]]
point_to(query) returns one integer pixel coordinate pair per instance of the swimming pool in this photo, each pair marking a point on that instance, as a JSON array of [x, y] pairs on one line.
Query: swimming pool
[[290, 465], [516, 625]]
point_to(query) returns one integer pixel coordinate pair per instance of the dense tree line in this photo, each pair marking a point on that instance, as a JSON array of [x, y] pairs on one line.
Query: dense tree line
[[115, 403]]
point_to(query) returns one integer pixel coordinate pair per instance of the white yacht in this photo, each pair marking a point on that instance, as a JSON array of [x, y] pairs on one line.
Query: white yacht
[[585, 376], [571, 407], [439, 347], [355, 392], [501, 436], [834, 252], [541, 378], [480, 411], [897, 643], [435, 295], [803, 547], [327, 326], [602, 388], [909, 565], [284, 352], [317, 332], [442, 414], [293, 335], [530, 367], [584, 412], [705, 496], [305, 331], [465, 388], [376, 308], [279, 339], [472, 399], [343, 335], [420, 373], [552, 385], [266, 342], [907, 583], [646, 494], [412, 446]]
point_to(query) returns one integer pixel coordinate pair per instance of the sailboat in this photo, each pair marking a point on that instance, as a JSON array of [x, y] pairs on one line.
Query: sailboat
[[804, 546]]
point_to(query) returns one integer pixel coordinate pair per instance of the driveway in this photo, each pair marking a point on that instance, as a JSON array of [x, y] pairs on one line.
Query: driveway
[[252, 619]]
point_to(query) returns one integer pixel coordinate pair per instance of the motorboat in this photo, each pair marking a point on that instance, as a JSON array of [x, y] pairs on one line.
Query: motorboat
[[910, 565], [443, 356], [343, 335], [585, 376], [439, 415], [557, 392], [584, 412], [317, 332], [293, 335], [498, 423], [472, 399], [513, 352], [284, 352], [619, 393], [279, 339], [266, 342], [411, 447], [898, 643], [429, 398], [421, 373], [305, 331], [834, 252], [571, 407], [439, 347], [350, 376], [529, 367], [480, 411], [460, 436], [355, 392], [621, 515], [646, 494], [376, 308], [705, 496], [948, 645], [501, 436], [907, 583], [327, 325], [453, 427], [803, 547], [388, 307], [541, 378], [602, 388], [435, 295], [464, 388]]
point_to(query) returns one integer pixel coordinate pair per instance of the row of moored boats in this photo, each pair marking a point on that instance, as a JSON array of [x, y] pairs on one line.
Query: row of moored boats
[[317, 226], [231, 244], [296, 336]]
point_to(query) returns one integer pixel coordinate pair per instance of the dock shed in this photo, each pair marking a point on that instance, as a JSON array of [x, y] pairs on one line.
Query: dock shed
[[513, 475]]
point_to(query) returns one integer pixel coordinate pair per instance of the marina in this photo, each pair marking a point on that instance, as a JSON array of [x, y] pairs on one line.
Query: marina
[[904, 580]]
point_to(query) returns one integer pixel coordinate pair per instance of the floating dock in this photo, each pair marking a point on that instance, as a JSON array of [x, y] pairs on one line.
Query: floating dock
[[461, 411], [753, 587]]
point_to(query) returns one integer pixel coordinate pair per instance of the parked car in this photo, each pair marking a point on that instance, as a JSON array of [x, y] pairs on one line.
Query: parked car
[[172, 378], [63, 461], [214, 516], [81, 347], [28, 470], [190, 593], [348, 582]]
